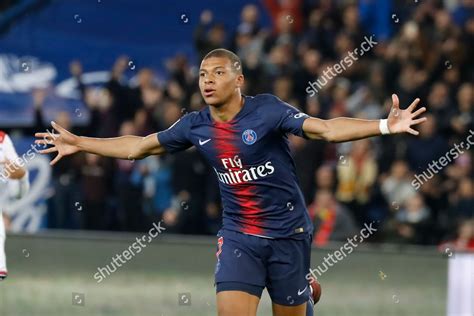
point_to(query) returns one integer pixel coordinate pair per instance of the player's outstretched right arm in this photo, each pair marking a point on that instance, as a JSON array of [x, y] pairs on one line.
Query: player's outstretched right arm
[[66, 143]]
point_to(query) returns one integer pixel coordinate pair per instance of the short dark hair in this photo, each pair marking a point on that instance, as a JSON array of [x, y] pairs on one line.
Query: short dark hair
[[222, 52]]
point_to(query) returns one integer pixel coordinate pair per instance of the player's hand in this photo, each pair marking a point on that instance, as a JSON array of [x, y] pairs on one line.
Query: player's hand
[[64, 142], [400, 121]]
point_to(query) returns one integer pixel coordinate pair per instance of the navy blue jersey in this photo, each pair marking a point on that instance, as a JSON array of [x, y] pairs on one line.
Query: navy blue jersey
[[251, 157]]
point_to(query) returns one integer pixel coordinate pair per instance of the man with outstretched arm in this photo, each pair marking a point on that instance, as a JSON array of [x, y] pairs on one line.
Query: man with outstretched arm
[[266, 235]]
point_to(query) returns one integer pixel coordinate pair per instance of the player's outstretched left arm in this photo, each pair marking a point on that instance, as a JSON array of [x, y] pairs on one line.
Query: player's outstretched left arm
[[344, 129]]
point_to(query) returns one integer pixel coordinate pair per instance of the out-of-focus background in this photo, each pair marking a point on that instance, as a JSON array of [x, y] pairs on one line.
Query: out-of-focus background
[[105, 68]]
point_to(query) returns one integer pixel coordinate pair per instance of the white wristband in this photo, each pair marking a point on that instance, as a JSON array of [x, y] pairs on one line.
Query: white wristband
[[383, 126]]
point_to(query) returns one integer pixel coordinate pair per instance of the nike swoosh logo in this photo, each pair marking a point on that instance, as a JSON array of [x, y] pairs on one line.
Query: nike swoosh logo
[[202, 142], [301, 292]]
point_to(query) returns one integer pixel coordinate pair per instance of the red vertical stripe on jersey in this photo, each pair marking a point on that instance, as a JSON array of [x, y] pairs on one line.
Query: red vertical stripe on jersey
[[2, 136], [226, 138]]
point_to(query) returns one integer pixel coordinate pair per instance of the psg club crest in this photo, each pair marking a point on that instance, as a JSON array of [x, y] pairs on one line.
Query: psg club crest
[[249, 136]]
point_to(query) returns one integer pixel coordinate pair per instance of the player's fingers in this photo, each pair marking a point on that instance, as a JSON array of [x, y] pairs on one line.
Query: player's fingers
[[46, 135], [413, 105], [412, 131], [58, 127], [418, 112], [44, 141], [418, 121], [395, 102], [40, 141], [56, 159], [48, 151], [41, 135]]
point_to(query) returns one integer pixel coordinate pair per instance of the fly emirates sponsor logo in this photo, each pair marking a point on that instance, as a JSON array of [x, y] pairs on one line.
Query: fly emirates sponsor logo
[[241, 175]]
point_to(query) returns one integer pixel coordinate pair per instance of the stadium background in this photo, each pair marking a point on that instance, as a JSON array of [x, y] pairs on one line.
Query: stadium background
[[106, 68]]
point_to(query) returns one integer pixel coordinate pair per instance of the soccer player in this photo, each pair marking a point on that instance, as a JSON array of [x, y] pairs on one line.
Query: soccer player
[[9, 170], [266, 235]]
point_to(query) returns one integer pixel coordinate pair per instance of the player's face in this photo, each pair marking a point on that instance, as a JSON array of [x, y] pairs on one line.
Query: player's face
[[218, 81]]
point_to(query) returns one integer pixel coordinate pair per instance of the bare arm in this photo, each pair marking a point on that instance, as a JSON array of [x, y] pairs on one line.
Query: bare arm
[[12, 170], [340, 129], [343, 129], [125, 147]]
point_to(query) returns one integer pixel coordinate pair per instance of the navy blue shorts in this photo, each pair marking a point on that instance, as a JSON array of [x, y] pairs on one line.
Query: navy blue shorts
[[249, 263]]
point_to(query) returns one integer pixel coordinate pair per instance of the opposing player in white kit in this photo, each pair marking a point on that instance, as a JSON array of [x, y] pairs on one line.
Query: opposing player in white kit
[[13, 177]]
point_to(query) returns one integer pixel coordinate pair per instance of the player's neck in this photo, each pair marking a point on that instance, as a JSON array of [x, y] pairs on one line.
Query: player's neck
[[227, 111]]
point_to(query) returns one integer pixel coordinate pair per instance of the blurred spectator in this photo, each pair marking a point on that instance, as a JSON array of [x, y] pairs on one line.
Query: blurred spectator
[[356, 175], [143, 121], [363, 103], [247, 40], [325, 178], [332, 220], [425, 148], [463, 200], [440, 106], [435, 195], [208, 36], [129, 215], [462, 118], [285, 12], [308, 156], [154, 176], [322, 26], [279, 62], [127, 100], [397, 187], [95, 175], [307, 72], [66, 193], [411, 222], [464, 240]]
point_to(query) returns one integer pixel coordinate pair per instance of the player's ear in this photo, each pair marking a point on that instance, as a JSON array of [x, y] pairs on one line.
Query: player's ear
[[240, 81]]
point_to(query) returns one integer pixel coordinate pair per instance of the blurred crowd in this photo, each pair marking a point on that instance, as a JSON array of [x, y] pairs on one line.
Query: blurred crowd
[[424, 50]]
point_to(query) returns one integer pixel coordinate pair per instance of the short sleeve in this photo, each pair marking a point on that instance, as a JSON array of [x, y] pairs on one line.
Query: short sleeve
[[176, 138], [289, 118], [9, 149]]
